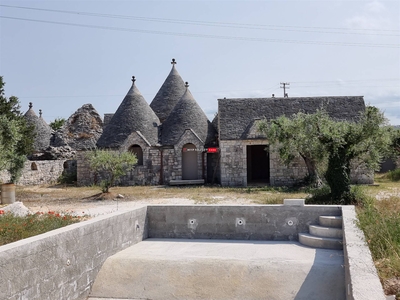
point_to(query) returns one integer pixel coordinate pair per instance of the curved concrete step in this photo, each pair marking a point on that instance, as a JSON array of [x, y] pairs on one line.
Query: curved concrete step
[[330, 232], [331, 221], [320, 242]]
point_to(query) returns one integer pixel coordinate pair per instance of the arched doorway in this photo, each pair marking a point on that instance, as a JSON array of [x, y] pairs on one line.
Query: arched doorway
[[137, 150], [189, 162]]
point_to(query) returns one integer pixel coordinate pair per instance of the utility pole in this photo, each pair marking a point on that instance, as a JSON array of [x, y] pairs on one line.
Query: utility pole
[[285, 85]]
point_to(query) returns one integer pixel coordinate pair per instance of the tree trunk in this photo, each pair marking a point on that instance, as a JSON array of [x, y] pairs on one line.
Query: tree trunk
[[315, 180], [338, 177]]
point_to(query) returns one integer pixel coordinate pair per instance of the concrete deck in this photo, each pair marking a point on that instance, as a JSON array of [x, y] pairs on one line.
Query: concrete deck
[[221, 269]]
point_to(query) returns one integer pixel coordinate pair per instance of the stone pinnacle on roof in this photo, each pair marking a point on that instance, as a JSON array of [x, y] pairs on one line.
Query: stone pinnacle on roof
[[169, 94], [42, 129], [186, 114], [133, 114]]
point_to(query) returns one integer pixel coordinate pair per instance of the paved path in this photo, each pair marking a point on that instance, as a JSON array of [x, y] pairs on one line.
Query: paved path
[[221, 269]]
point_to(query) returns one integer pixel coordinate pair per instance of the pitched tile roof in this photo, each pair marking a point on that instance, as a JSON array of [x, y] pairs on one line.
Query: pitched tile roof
[[236, 115]]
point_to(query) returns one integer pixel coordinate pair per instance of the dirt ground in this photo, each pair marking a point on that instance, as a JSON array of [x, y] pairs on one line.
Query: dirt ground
[[88, 201]]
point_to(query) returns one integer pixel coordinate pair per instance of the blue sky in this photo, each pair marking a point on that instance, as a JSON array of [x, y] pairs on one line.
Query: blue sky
[[63, 54]]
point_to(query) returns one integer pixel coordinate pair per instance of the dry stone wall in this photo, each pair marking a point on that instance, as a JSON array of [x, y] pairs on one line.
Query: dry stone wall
[[42, 172]]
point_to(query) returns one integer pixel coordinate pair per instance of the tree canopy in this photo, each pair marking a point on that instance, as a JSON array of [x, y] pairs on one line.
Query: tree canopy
[[57, 123], [335, 144], [16, 136], [110, 165]]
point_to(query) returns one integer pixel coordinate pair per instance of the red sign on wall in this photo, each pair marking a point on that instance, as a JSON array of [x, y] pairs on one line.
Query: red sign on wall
[[212, 150]]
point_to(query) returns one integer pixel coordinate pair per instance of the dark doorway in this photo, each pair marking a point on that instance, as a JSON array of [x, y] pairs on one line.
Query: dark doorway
[[213, 173], [257, 164], [189, 162], [137, 150]]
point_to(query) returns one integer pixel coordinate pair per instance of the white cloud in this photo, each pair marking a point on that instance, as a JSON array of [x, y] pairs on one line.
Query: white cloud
[[372, 16], [375, 7]]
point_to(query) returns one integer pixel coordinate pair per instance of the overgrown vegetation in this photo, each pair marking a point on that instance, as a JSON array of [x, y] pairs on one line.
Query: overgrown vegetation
[[14, 228], [67, 178], [110, 165], [394, 175], [355, 196], [380, 221]]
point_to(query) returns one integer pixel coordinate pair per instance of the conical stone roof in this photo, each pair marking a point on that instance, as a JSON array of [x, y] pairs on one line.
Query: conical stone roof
[[186, 114], [42, 129], [133, 114], [169, 94]]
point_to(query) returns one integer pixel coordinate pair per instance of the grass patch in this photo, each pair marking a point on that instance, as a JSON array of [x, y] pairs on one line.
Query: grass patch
[[394, 175], [380, 221], [14, 228]]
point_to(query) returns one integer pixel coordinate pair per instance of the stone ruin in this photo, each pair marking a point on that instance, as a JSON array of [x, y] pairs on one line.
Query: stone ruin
[[55, 151]]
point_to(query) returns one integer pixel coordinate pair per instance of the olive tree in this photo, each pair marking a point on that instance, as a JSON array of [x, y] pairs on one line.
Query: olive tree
[[293, 136], [110, 165], [320, 139]]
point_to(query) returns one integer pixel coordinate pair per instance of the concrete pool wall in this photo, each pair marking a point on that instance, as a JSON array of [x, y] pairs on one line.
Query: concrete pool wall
[[64, 263]]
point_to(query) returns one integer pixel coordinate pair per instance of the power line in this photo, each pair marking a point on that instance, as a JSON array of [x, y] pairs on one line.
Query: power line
[[221, 37], [348, 81], [321, 84], [222, 24]]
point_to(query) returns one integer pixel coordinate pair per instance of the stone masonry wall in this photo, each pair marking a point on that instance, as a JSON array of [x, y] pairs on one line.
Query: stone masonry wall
[[42, 171], [283, 175], [233, 163], [359, 174], [147, 174], [233, 166]]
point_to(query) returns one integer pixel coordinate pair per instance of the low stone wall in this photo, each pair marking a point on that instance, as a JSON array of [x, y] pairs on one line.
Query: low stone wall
[[42, 171], [263, 222], [62, 264], [361, 279]]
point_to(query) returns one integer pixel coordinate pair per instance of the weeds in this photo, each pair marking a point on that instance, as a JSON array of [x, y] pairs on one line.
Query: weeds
[[14, 228], [380, 221], [394, 175], [67, 178], [356, 196]]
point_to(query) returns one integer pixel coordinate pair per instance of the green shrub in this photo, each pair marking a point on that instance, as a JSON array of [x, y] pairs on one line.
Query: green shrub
[[356, 196], [394, 175], [67, 178], [320, 195], [14, 228]]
